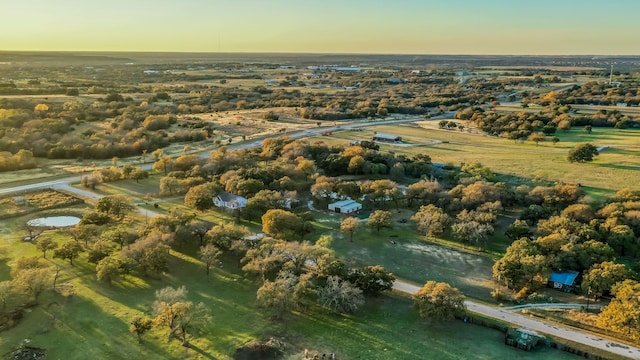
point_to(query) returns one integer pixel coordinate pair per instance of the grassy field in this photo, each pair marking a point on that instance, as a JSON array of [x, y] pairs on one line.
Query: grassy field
[[93, 322], [524, 161], [410, 257]]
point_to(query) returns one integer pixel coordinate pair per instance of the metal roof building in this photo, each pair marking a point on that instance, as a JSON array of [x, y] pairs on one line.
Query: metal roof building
[[387, 138], [345, 206], [563, 280]]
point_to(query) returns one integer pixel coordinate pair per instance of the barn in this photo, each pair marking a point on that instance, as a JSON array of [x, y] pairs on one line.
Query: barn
[[345, 207], [386, 138]]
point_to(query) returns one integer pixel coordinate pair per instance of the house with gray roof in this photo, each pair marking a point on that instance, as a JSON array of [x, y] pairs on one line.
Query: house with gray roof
[[229, 201]]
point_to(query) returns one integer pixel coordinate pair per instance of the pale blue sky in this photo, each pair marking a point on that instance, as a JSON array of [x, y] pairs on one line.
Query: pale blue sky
[[347, 26]]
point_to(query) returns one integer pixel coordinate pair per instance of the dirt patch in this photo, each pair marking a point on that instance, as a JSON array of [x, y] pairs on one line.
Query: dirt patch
[[251, 123], [445, 255]]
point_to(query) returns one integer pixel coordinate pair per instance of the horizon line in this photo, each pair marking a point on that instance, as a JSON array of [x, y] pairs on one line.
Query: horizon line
[[306, 53]]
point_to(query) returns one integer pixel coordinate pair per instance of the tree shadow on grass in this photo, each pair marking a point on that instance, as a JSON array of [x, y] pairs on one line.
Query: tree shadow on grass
[[5, 269], [621, 150], [83, 325], [200, 351], [620, 167], [444, 147]]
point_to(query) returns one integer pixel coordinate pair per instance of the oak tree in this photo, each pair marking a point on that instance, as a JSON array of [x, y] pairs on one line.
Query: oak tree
[[68, 251], [582, 153], [439, 301], [379, 219], [431, 220], [349, 225], [209, 254], [340, 296], [46, 244], [140, 325], [622, 315]]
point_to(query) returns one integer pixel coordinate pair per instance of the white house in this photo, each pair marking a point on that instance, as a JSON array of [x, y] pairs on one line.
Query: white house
[[229, 201], [345, 207]]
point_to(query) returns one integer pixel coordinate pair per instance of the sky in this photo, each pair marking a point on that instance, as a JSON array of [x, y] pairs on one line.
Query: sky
[[515, 27]]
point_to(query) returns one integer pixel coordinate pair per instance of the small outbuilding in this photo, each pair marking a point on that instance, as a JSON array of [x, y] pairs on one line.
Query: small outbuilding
[[524, 339], [386, 138], [565, 281], [345, 207]]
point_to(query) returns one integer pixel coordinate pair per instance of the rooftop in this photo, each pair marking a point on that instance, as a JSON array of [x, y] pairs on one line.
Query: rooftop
[[565, 278]]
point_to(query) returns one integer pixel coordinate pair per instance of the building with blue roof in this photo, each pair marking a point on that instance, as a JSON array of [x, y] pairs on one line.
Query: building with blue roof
[[565, 281]]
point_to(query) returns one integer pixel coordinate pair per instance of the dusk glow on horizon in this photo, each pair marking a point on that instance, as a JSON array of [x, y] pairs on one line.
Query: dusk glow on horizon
[[331, 26]]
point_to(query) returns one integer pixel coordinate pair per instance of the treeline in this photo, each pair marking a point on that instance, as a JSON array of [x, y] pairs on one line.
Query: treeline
[[601, 93], [524, 125], [23, 159]]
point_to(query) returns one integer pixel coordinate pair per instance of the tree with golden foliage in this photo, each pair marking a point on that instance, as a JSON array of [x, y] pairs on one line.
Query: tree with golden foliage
[[140, 325], [379, 219], [439, 301], [173, 311], [622, 315], [349, 226]]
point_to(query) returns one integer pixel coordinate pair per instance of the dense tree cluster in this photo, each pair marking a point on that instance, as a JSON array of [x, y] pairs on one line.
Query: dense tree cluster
[[573, 236]]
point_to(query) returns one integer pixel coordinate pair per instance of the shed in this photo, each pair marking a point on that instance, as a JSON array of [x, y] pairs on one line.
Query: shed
[[345, 207], [564, 281], [386, 138], [524, 339]]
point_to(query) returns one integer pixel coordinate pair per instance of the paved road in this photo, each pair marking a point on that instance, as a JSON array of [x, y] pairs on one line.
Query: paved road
[[555, 330]]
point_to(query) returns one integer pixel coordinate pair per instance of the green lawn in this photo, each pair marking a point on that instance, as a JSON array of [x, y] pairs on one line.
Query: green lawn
[[389, 329], [411, 257]]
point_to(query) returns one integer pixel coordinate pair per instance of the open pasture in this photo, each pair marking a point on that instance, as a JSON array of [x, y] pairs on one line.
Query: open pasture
[[617, 167]]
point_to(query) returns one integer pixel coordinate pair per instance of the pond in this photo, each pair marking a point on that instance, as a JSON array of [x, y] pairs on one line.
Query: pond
[[54, 221]]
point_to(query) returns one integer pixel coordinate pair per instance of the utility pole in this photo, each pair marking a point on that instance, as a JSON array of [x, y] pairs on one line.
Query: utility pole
[[611, 75]]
